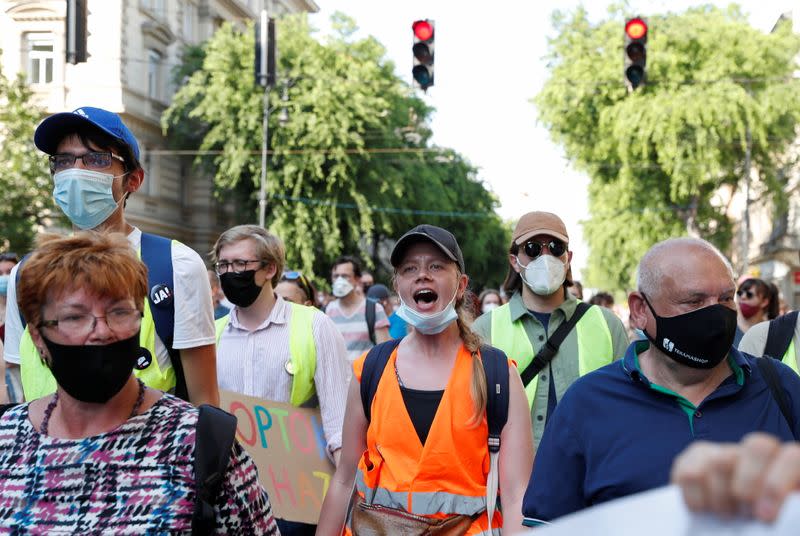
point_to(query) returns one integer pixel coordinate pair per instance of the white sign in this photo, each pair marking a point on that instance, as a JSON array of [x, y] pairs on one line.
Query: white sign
[[661, 512]]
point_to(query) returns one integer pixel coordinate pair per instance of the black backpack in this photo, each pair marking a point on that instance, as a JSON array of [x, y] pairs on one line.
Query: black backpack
[[213, 444]]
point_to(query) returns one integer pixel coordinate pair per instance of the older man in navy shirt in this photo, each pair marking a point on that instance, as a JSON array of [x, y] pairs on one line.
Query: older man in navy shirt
[[617, 430]]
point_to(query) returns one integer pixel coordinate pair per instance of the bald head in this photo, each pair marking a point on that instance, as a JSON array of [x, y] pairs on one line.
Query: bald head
[[678, 261]]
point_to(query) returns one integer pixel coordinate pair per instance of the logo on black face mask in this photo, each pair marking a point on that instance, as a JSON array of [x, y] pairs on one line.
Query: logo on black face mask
[[161, 295], [668, 345]]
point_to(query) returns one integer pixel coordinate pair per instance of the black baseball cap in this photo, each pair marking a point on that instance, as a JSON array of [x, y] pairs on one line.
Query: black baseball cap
[[441, 238], [378, 292]]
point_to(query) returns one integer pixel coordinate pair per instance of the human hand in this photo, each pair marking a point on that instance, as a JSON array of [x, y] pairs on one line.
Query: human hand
[[752, 477]]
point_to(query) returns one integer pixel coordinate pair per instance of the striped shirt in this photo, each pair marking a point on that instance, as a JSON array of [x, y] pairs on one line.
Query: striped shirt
[[135, 479], [253, 363], [353, 327]]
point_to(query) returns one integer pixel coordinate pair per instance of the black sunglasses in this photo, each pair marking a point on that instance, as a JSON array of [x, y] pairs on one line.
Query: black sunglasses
[[533, 249], [748, 293]]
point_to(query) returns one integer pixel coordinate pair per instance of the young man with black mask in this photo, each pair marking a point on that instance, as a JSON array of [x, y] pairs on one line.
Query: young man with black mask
[[618, 430], [262, 352]]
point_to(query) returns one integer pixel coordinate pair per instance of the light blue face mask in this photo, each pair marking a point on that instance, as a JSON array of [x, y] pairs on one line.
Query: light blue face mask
[[4, 285], [429, 324], [85, 196]]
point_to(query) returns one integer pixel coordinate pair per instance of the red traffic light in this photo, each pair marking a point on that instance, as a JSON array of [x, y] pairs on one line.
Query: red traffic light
[[423, 30], [636, 28]]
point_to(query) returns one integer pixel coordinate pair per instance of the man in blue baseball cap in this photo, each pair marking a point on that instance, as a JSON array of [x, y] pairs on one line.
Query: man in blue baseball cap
[[94, 162]]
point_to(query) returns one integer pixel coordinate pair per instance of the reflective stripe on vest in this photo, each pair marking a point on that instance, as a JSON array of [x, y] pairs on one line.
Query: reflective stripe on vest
[[595, 346], [423, 503], [38, 381], [789, 358], [446, 477], [302, 350]]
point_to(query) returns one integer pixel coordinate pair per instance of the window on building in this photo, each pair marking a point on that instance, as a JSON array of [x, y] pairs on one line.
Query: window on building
[[39, 49], [153, 5], [189, 18], [154, 74]]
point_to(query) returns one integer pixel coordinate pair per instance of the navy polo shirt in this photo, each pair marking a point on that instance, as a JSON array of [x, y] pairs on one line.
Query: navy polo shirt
[[615, 433]]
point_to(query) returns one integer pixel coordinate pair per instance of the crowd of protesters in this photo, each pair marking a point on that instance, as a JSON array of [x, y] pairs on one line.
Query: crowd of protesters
[[435, 401]]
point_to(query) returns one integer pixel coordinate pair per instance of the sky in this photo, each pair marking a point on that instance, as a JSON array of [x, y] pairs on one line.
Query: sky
[[483, 88]]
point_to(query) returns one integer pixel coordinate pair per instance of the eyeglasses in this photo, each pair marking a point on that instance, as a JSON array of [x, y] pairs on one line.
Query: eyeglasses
[[533, 249], [82, 324], [92, 160], [237, 265], [301, 280], [748, 293]]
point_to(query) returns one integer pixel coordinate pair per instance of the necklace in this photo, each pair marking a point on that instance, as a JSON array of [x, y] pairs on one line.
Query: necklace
[[48, 411]]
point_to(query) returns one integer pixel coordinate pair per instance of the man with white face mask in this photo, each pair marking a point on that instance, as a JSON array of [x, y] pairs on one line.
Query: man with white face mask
[[361, 321], [94, 162], [541, 311]]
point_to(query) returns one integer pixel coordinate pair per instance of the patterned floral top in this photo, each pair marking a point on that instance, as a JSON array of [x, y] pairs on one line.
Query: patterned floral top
[[136, 479]]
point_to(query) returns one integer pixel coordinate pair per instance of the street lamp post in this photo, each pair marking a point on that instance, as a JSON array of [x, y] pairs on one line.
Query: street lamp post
[[262, 193]]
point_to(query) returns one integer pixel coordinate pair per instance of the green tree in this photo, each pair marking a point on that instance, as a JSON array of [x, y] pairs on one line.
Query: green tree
[[24, 181], [660, 157], [350, 160]]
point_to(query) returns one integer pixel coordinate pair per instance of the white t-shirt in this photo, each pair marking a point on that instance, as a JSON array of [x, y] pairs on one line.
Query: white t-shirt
[[194, 314]]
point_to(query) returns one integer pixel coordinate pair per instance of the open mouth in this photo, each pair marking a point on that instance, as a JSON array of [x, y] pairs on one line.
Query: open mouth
[[425, 295]]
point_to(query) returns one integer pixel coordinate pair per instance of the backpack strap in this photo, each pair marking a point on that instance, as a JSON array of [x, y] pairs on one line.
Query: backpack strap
[[372, 371], [550, 348], [779, 336], [214, 439], [767, 368], [370, 313], [495, 366], [6, 407], [156, 254]]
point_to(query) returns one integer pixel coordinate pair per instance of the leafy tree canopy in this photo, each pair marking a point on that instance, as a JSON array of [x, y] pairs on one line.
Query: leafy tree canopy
[[350, 160], [659, 158], [25, 180]]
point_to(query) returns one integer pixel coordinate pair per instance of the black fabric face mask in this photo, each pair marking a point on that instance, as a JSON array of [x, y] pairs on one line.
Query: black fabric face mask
[[240, 288], [93, 373], [698, 339]]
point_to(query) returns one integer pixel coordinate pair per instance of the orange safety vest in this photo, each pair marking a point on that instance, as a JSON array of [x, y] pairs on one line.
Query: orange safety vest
[[445, 477]]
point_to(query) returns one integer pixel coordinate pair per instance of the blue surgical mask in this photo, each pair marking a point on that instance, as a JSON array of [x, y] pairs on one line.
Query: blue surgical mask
[[85, 196], [429, 324], [4, 285]]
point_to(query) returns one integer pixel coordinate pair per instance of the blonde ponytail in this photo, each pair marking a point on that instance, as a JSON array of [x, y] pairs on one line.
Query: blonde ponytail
[[472, 342]]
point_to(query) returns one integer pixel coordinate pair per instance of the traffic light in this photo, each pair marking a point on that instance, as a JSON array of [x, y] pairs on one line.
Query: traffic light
[[265, 51], [635, 52], [424, 34], [77, 31]]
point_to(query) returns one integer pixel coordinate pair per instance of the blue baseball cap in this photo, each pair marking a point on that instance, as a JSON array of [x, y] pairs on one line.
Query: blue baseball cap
[[53, 129]]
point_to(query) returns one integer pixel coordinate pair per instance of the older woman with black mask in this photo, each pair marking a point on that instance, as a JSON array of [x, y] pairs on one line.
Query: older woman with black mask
[[105, 453]]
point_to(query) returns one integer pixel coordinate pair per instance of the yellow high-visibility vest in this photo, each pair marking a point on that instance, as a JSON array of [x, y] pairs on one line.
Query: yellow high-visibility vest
[[595, 347], [302, 349]]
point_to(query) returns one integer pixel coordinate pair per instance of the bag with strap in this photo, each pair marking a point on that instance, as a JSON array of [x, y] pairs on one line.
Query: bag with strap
[[214, 436], [156, 254], [369, 314], [213, 444], [367, 519], [550, 349], [779, 336], [767, 369]]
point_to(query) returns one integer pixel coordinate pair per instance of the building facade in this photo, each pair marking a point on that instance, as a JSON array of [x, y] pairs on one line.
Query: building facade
[[133, 46], [772, 244]]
